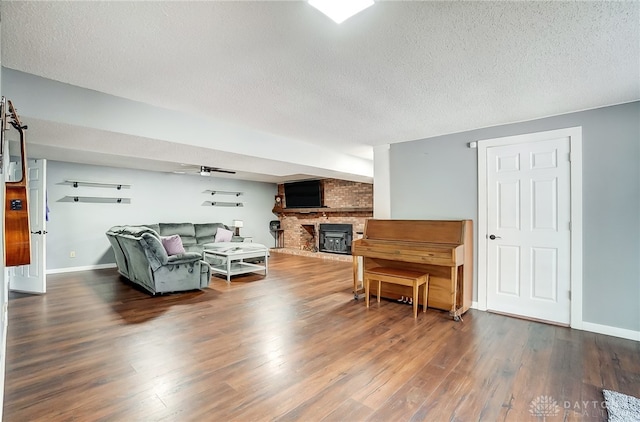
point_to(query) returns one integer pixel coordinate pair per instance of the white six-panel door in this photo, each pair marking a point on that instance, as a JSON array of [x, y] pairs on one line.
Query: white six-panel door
[[32, 278], [528, 229]]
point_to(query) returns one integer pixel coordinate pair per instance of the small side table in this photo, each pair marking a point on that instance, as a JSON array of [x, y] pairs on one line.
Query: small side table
[[278, 235]]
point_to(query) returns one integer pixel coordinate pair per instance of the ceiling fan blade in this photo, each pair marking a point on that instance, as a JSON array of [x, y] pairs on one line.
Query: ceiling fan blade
[[219, 170], [205, 169]]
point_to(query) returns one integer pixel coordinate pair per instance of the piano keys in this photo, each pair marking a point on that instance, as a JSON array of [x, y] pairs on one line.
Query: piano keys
[[443, 248]]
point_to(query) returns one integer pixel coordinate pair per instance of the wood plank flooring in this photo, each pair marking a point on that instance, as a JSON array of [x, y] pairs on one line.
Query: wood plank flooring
[[293, 346]]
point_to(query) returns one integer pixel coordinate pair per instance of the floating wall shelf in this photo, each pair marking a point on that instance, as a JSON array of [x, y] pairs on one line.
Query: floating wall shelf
[[222, 192], [76, 183], [96, 199], [223, 204]]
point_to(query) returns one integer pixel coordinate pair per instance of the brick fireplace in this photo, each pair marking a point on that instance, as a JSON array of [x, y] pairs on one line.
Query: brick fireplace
[[345, 203]]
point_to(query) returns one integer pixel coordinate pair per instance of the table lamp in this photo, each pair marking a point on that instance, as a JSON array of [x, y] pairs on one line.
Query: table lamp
[[237, 224]]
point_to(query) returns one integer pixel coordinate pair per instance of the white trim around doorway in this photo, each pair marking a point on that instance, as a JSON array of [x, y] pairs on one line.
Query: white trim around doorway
[[575, 135]]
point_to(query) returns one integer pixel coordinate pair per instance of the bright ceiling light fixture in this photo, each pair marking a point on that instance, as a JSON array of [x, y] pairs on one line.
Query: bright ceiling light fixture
[[340, 10]]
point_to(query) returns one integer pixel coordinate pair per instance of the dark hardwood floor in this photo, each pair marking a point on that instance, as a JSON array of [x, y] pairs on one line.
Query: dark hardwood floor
[[292, 346]]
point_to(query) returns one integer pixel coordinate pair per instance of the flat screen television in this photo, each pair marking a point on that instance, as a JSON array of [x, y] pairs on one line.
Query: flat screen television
[[305, 194]]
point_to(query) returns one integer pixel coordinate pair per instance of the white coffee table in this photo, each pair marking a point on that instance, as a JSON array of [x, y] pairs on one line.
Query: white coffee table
[[235, 254]]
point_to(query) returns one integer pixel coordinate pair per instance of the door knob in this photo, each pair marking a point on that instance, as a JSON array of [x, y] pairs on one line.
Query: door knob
[[39, 232], [494, 237]]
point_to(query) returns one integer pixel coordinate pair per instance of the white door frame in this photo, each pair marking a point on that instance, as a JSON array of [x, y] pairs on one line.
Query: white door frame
[[575, 135]]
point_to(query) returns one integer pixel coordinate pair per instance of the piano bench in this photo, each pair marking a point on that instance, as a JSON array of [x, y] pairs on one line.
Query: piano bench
[[402, 277]]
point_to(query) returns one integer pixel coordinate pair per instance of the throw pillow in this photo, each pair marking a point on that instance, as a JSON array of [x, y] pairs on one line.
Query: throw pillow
[[173, 244], [223, 235]]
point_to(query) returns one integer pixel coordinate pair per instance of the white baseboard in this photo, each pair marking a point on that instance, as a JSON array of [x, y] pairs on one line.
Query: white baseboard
[[85, 268], [598, 328], [611, 331]]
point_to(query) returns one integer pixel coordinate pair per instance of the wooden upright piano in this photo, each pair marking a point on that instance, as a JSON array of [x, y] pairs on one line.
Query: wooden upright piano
[[443, 248]]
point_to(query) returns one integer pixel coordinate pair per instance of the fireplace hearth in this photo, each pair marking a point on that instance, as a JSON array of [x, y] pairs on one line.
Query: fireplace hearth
[[335, 238]]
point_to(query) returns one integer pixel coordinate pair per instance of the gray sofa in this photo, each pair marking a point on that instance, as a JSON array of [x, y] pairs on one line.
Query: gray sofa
[[141, 257], [193, 236]]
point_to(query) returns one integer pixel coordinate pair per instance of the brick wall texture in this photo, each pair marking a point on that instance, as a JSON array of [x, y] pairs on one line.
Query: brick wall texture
[[337, 194]]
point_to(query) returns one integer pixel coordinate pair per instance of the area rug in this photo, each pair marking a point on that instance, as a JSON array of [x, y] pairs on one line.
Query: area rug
[[621, 408]]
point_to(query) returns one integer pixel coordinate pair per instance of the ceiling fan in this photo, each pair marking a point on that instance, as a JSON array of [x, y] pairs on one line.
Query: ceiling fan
[[202, 170], [206, 171]]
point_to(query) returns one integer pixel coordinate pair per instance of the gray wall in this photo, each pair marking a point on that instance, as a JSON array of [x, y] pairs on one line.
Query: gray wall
[[436, 178], [156, 197]]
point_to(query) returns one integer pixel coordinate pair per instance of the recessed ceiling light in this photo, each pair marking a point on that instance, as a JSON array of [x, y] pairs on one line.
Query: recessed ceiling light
[[340, 10]]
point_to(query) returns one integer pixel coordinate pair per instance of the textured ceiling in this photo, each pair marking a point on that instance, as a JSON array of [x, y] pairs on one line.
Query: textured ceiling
[[399, 71]]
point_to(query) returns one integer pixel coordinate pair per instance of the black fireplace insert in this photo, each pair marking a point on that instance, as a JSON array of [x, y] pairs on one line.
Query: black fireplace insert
[[335, 238]]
